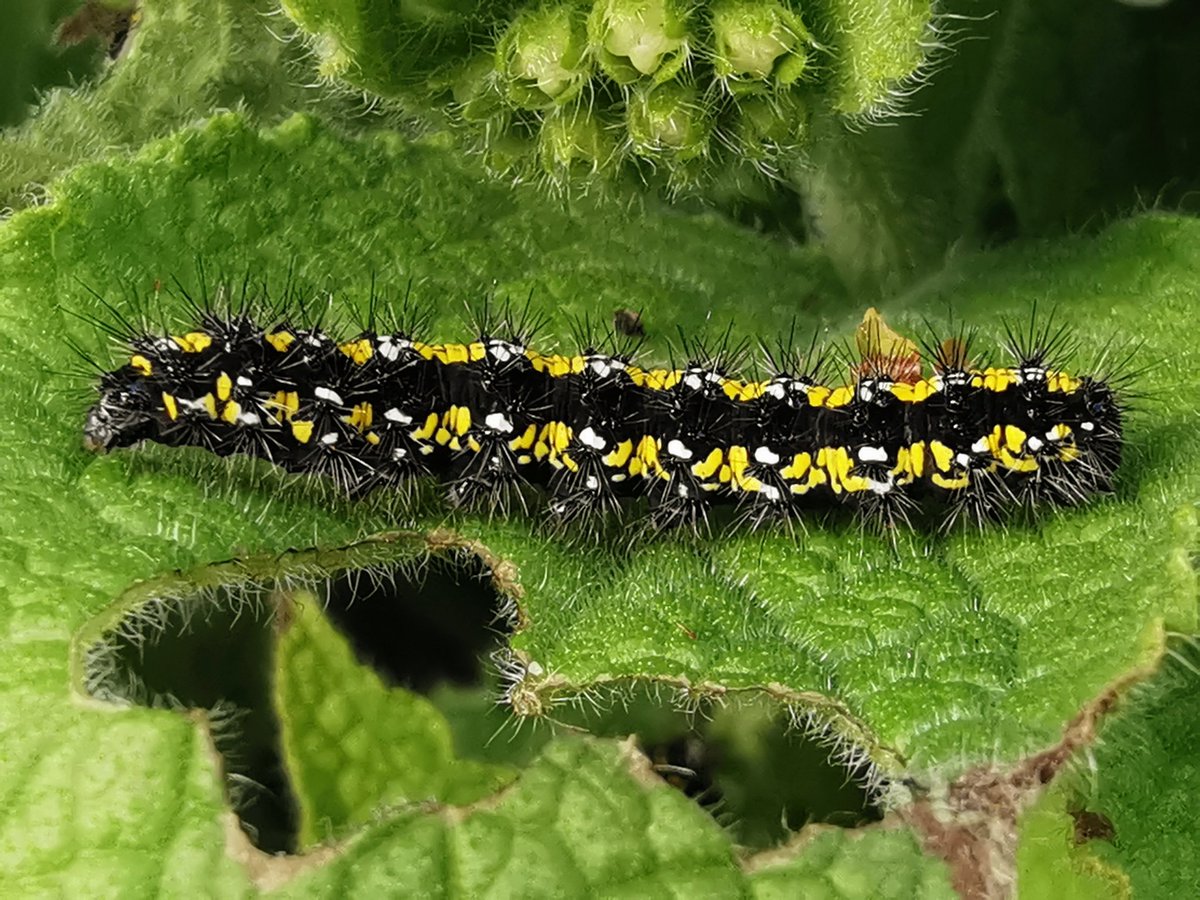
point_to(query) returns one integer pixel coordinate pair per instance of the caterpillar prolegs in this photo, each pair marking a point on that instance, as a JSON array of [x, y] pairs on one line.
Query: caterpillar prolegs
[[900, 432]]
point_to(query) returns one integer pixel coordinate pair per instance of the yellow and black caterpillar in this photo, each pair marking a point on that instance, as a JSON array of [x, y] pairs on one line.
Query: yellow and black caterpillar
[[488, 417]]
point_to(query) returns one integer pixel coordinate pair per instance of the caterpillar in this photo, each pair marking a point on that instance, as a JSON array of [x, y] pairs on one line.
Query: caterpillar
[[904, 431]]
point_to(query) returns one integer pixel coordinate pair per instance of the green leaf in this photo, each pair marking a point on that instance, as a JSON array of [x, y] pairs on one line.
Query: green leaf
[[1050, 864], [162, 81], [1143, 789], [577, 823], [34, 58], [834, 863], [1042, 116], [930, 656], [351, 743]]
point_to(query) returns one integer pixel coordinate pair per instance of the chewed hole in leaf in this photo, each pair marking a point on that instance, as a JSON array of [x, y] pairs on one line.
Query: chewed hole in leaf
[[388, 633], [760, 772], [441, 633]]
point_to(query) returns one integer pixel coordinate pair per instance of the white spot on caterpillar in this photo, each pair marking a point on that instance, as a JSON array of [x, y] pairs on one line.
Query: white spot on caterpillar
[[766, 456], [866, 393], [964, 460], [880, 487], [682, 490], [678, 449], [693, 381], [498, 422], [980, 446], [243, 381], [1034, 443], [389, 347], [592, 483], [617, 477], [1088, 426], [589, 438], [248, 418], [776, 390], [503, 351], [399, 453], [328, 394], [770, 492], [400, 418], [329, 439], [872, 454]]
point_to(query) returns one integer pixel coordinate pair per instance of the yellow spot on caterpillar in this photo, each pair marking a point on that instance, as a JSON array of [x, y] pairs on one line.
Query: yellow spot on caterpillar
[[473, 444], [1014, 438], [559, 435], [427, 351], [917, 459], [706, 468], [951, 484], [1060, 432], [656, 379], [1061, 381], [359, 351], [425, 432], [453, 354], [942, 455], [361, 417], [839, 397], [302, 430], [455, 443], [372, 437], [524, 441], [753, 390], [442, 436], [193, 342], [224, 387], [739, 460], [232, 410], [141, 364], [285, 403], [816, 477], [210, 405], [905, 393], [817, 395], [645, 461], [798, 466], [998, 379], [618, 457], [170, 406], [280, 340], [459, 419], [1017, 463], [569, 463]]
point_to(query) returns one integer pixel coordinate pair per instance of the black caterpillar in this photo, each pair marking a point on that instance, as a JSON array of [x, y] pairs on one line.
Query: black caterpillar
[[382, 407]]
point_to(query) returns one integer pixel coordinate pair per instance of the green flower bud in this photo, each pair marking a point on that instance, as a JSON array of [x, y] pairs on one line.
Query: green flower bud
[[574, 142], [768, 127], [476, 91], [542, 56], [639, 38], [668, 119], [758, 40]]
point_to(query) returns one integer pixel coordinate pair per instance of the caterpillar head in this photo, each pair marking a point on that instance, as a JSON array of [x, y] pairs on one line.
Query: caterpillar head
[[125, 413]]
